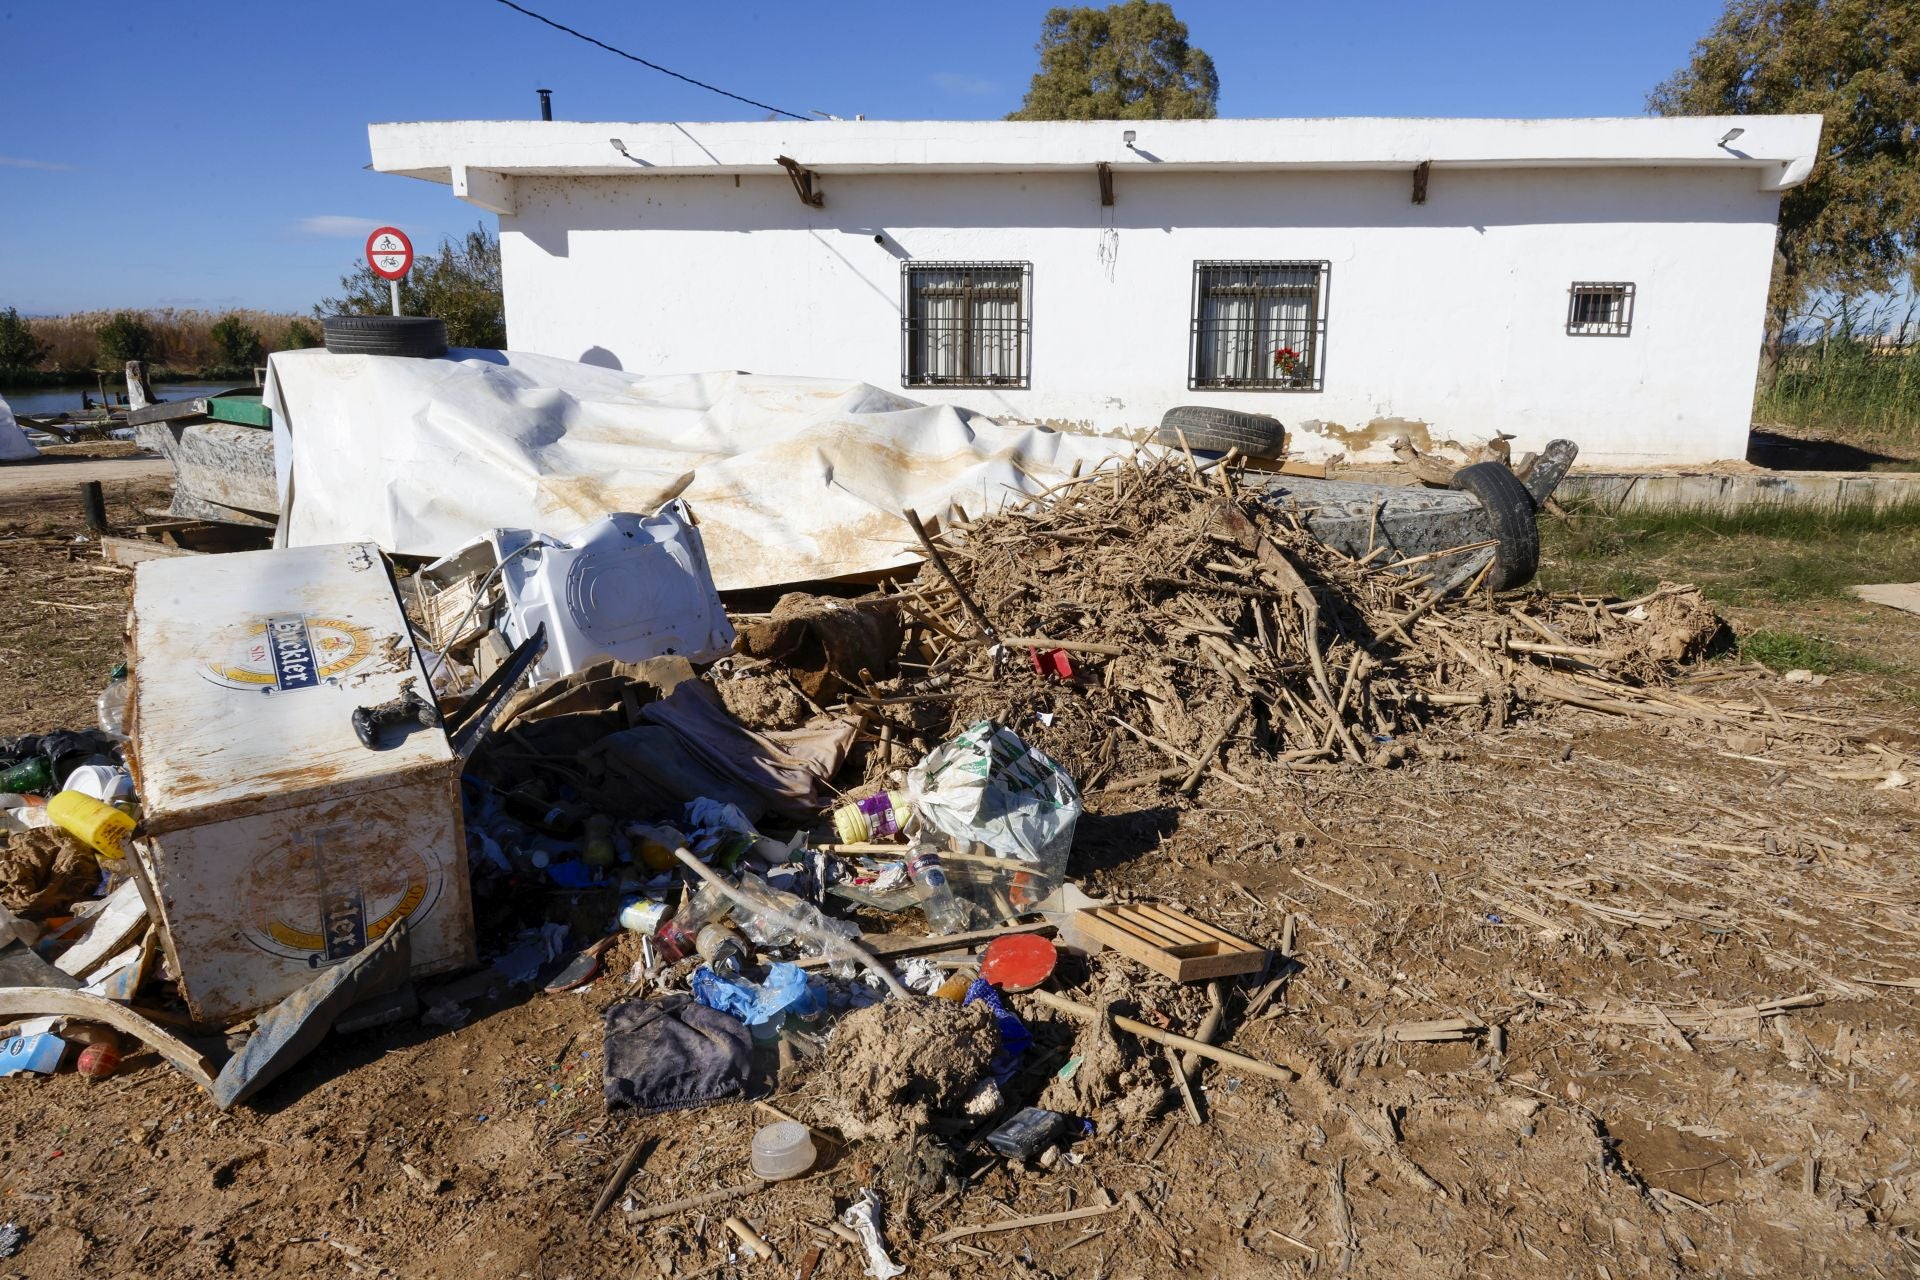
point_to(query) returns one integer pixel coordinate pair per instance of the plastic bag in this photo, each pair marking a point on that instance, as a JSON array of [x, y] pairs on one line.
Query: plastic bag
[[768, 929], [754, 1002], [988, 787]]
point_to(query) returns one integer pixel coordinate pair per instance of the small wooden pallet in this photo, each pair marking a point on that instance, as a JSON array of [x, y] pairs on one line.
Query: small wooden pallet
[[1171, 942]]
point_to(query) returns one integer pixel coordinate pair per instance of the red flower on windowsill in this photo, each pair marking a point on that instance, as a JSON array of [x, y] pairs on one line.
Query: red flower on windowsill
[[1287, 361]]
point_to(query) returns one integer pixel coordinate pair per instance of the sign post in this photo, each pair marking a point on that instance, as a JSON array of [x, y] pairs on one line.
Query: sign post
[[390, 254]]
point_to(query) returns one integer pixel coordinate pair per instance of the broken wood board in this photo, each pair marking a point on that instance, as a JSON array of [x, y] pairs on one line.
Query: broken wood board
[[131, 551], [1170, 941], [1289, 467], [28, 1002], [116, 926], [1895, 595]]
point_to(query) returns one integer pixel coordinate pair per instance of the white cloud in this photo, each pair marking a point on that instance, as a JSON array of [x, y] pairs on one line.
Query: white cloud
[[335, 226], [20, 162], [972, 86]]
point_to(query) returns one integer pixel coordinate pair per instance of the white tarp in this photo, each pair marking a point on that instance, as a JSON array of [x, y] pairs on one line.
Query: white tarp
[[790, 478], [14, 445]]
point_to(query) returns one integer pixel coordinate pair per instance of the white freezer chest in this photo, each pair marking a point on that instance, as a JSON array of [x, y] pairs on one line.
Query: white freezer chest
[[273, 843]]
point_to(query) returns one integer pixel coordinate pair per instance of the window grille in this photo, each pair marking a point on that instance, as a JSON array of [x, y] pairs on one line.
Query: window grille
[[966, 324], [1259, 326], [1603, 309]]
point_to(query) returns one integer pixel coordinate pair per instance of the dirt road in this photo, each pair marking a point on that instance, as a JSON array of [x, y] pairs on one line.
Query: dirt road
[[54, 472]]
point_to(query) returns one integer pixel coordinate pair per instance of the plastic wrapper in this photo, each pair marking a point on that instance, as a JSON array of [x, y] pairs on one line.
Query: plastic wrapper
[[1006, 813]]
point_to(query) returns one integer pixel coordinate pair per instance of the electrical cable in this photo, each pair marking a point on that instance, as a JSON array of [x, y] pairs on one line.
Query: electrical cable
[[581, 35]]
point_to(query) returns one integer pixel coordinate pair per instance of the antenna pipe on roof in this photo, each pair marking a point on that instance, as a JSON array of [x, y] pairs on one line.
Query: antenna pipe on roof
[[546, 103]]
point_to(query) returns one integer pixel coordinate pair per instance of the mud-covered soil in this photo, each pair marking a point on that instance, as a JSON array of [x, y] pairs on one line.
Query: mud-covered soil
[[1687, 972]]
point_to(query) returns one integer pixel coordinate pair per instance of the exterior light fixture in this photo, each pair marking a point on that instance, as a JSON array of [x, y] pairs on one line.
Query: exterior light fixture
[[1730, 135], [1128, 138], [619, 146]]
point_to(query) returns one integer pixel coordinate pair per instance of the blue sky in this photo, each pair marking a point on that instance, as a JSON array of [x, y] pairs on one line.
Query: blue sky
[[211, 153]]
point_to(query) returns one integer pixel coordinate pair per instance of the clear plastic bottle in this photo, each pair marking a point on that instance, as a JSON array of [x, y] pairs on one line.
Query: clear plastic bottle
[[945, 913], [679, 935]]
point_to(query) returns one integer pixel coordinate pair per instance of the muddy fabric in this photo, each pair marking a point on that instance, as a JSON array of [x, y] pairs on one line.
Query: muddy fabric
[[829, 646], [671, 1053], [784, 773]]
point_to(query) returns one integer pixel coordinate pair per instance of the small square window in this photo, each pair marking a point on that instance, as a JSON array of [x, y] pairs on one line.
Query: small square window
[[1258, 326], [1603, 310], [965, 324]]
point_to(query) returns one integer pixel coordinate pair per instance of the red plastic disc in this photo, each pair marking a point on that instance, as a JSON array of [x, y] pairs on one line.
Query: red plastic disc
[[1019, 961]]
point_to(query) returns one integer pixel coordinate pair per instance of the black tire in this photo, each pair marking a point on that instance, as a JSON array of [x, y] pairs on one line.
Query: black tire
[[1255, 435], [420, 336], [1509, 508]]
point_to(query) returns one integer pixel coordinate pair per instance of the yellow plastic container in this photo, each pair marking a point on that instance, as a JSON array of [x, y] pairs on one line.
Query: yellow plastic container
[[878, 817], [94, 823]]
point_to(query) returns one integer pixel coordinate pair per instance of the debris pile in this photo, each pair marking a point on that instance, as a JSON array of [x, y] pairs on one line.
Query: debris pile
[[735, 858], [1141, 622]]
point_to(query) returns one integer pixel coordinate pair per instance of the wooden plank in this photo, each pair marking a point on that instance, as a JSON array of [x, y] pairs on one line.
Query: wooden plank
[[1182, 928], [1163, 945], [115, 925], [167, 411], [885, 946], [128, 551], [1130, 929], [32, 1002], [1210, 930], [1289, 467]]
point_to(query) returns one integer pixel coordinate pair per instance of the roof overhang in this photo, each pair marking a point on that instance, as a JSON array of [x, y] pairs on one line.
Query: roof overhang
[[481, 159]]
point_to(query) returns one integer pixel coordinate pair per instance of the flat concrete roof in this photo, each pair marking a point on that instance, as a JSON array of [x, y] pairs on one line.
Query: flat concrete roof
[[477, 157]]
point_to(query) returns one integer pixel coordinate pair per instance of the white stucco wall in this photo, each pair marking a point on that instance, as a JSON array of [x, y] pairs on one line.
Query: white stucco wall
[[1450, 313]]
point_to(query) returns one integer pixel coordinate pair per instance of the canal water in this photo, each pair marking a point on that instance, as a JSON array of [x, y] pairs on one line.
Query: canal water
[[25, 400]]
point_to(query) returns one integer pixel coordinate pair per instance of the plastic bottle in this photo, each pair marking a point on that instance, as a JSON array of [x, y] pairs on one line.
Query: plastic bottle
[[597, 849], [878, 817], [679, 936], [945, 913], [32, 776], [111, 707], [94, 823]]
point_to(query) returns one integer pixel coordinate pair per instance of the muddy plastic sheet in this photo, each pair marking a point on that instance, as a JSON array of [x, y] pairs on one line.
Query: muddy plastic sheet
[[792, 479]]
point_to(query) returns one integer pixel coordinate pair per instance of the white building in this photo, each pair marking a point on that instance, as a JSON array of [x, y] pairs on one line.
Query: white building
[[1603, 280]]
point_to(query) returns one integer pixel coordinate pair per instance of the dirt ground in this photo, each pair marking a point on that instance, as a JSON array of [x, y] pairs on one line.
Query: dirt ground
[[1690, 977]]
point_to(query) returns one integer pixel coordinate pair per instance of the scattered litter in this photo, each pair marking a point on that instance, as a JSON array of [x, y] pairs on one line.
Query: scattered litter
[[863, 1215], [671, 1053], [783, 1149], [1027, 1132]]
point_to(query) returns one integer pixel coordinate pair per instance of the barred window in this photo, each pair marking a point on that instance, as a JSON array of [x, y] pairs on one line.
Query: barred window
[[1258, 326], [1603, 309], [965, 324]]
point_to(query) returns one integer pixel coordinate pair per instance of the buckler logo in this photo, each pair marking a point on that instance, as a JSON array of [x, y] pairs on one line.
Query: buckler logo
[[289, 651], [293, 663], [324, 895]]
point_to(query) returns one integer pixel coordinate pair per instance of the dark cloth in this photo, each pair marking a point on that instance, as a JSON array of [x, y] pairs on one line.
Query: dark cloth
[[670, 1053], [688, 745]]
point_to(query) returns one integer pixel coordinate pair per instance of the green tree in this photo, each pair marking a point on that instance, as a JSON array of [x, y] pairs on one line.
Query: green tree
[[460, 285], [1129, 61], [300, 335], [1854, 226], [19, 349], [126, 337], [237, 342]]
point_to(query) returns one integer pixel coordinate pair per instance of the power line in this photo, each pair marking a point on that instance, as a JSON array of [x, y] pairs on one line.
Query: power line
[[631, 57]]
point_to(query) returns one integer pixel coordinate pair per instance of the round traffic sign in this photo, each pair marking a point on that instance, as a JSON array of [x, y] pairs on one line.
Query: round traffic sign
[[389, 253]]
